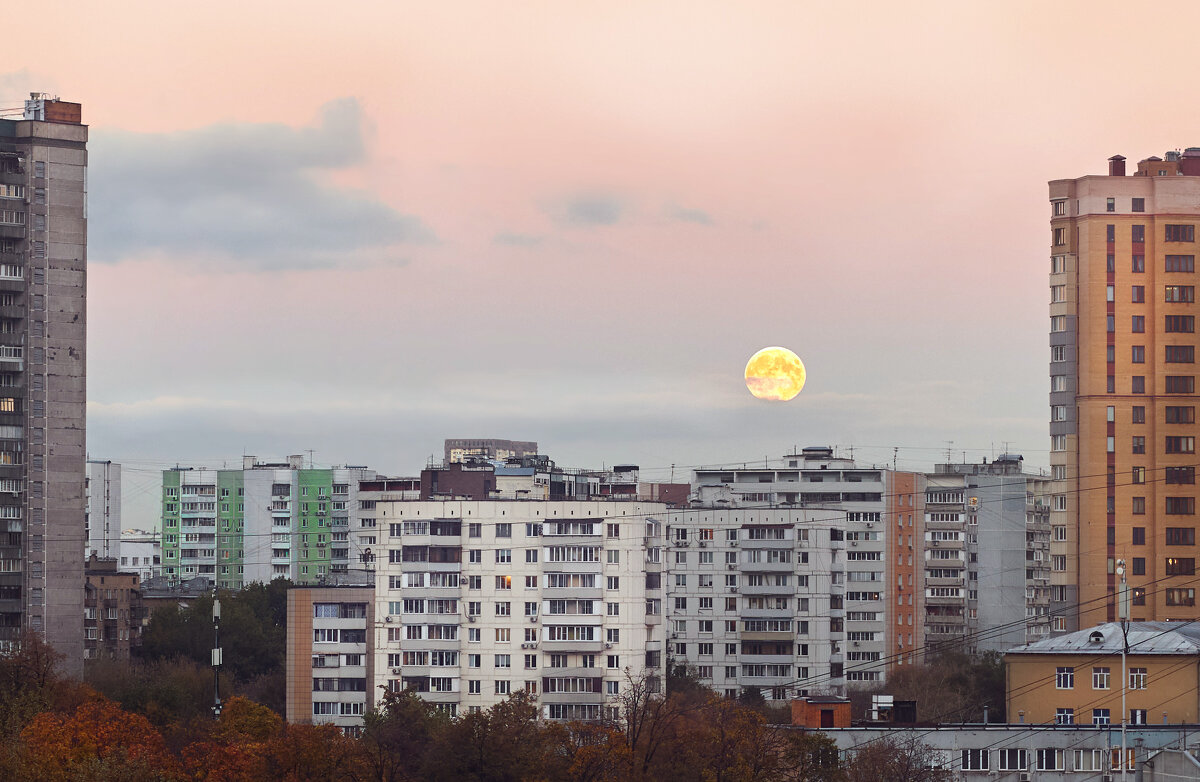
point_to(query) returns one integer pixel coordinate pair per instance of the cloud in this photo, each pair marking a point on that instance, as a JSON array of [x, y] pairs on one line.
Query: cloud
[[517, 240], [248, 194], [689, 215], [588, 209]]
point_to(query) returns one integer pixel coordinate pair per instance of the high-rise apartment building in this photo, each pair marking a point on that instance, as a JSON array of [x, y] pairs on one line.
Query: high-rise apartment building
[[986, 555], [43, 317], [1123, 389], [821, 545], [103, 513], [264, 521]]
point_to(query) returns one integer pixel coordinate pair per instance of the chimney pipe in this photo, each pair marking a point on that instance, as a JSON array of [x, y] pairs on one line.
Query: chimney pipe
[[1116, 166]]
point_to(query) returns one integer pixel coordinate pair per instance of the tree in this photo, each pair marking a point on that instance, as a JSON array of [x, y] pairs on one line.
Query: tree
[[398, 737], [503, 744], [895, 760], [98, 740], [806, 756]]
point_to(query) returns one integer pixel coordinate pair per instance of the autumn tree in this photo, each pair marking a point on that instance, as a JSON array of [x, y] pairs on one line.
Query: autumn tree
[[806, 756], [98, 741]]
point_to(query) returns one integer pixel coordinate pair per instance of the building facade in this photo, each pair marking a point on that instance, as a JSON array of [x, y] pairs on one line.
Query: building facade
[[1122, 387], [329, 666], [267, 520], [113, 613], [828, 545], [141, 553], [986, 556], [103, 512], [1076, 678], [43, 325], [485, 449], [476, 600]]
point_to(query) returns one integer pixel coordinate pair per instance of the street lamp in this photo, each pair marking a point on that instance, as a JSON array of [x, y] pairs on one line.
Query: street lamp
[[1123, 616], [216, 654]]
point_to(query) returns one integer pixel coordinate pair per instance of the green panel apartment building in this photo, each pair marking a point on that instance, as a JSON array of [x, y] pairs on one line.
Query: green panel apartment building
[[264, 521]]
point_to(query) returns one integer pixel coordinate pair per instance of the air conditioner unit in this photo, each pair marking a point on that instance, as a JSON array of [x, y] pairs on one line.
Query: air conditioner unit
[[934, 543], [472, 618], [1024, 776], [524, 646], [733, 589], [730, 566], [703, 544], [387, 619], [854, 543], [396, 671], [607, 645], [533, 619], [855, 643], [682, 543]]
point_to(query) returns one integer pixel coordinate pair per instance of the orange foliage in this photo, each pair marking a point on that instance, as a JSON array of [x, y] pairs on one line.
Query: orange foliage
[[97, 731]]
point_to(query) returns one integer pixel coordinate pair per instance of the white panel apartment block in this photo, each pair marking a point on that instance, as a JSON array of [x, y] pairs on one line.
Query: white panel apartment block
[[475, 600]]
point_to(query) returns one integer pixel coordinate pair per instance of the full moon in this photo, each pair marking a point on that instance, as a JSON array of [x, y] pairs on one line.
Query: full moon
[[775, 373]]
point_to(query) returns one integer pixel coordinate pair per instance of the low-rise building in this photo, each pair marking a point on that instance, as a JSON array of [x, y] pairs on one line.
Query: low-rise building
[[112, 610], [1077, 677], [102, 516], [1041, 753]]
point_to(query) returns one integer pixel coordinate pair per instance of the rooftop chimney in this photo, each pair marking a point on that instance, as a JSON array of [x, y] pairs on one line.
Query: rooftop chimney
[[1116, 165]]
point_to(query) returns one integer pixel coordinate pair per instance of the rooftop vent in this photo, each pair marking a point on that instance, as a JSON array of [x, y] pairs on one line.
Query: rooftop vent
[[1096, 637]]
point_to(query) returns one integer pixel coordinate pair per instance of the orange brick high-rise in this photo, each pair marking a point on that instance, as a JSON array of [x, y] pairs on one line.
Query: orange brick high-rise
[[1123, 389]]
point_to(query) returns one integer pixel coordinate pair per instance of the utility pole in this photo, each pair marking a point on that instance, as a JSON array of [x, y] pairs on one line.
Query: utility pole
[[216, 654], [1123, 615]]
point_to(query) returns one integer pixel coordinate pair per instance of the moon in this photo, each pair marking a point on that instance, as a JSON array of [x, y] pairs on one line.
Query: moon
[[776, 374]]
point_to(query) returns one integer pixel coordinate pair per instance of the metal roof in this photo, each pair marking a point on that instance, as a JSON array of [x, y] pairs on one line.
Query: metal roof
[[1144, 638]]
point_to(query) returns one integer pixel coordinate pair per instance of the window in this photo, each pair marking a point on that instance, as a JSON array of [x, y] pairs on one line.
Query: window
[[1139, 263], [1058, 208], [1139, 536], [1138, 234], [975, 759], [504, 530], [1137, 205], [1181, 263], [1139, 566], [1139, 414], [1137, 678], [1138, 354], [1181, 475], [1058, 323], [1181, 354], [1058, 353], [1064, 678], [1138, 506], [1138, 324], [1181, 536], [1180, 597], [1013, 760], [1139, 294], [1138, 384], [1180, 445], [1064, 716], [1180, 566], [1051, 759], [1058, 383], [1100, 717], [1181, 415], [1179, 293], [1060, 237], [1180, 233], [1179, 324], [1139, 444], [1100, 678], [1109, 206]]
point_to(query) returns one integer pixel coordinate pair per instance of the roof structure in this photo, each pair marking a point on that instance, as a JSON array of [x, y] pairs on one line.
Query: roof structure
[[1107, 639]]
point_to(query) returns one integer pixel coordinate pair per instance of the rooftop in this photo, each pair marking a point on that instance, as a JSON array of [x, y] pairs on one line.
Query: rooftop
[[1106, 639]]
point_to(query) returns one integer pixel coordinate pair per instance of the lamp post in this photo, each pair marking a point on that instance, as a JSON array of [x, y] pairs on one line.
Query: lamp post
[[1123, 616]]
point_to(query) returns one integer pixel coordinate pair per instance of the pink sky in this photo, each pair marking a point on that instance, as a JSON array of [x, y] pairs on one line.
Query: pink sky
[[621, 203]]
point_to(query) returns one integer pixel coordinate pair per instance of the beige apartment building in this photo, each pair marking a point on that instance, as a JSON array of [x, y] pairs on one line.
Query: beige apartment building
[[1123, 389]]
